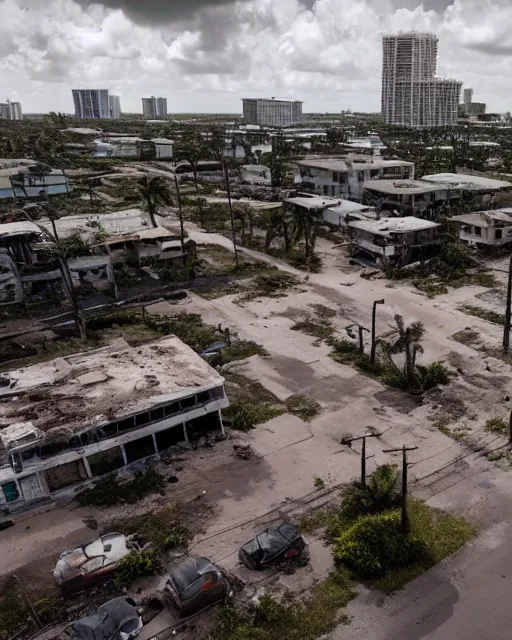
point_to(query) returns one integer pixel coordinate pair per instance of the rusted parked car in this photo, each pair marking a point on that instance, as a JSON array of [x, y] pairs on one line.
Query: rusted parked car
[[117, 619], [281, 545], [93, 562]]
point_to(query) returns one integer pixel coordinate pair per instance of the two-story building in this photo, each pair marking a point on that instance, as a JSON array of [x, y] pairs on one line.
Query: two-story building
[[76, 418], [344, 177], [486, 228]]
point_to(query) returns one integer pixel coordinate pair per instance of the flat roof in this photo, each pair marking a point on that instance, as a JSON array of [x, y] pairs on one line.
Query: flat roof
[[485, 218], [347, 206], [21, 228], [356, 162], [83, 390], [465, 181], [402, 186], [313, 202], [387, 226], [275, 99]]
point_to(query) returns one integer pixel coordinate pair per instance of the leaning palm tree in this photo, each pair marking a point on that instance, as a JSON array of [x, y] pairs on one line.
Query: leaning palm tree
[[407, 342], [155, 192], [302, 227]]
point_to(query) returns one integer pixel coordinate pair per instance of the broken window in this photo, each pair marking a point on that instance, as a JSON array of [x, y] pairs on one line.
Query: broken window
[[203, 397], [10, 491], [106, 461], [157, 414], [126, 424], [478, 231], [142, 418], [172, 409], [498, 234], [170, 437], [65, 475], [188, 403], [138, 449]]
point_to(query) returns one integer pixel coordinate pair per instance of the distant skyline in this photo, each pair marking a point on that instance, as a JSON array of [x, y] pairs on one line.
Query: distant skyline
[[206, 55]]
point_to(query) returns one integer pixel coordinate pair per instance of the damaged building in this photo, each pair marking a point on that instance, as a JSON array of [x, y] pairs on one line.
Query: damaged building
[[76, 418]]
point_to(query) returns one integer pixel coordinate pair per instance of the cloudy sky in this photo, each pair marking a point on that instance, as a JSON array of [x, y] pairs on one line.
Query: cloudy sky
[[204, 55]]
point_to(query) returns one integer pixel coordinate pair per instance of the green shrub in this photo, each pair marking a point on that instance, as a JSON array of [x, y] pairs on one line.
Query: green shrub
[[497, 425], [381, 493], [245, 415], [302, 406], [375, 544], [135, 565]]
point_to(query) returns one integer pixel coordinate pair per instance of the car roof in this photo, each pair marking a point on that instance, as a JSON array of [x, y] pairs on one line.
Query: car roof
[[189, 571]]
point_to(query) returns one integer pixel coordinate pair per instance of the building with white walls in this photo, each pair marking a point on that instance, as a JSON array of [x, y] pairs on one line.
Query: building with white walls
[[11, 111], [412, 95], [76, 418], [276, 112], [154, 107], [114, 103], [91, 103]]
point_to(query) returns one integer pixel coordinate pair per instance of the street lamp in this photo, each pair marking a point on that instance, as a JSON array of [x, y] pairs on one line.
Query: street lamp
[[374, 318]]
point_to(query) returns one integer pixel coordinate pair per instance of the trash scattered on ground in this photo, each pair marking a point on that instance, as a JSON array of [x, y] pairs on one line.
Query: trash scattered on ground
[[243, 451]]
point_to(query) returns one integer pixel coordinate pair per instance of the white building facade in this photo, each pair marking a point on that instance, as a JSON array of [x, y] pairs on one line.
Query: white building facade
[[11, 111], [412, 95], [91, 103], [154, 107], [111, 412], [114, 103], [272, 113]]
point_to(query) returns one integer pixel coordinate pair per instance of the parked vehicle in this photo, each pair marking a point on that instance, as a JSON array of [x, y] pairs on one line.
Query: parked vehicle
[[274, 546], [195, 585], [92, 562], [115, 620]]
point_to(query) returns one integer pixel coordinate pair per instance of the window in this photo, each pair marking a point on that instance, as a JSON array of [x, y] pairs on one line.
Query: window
[[157, 414], [326, 190], [187, 403], [360, 176], [142, 418], [126, 424], [10, 491], [172, 409], [335, 176], [477, 231], [498, 234], [203, 397]]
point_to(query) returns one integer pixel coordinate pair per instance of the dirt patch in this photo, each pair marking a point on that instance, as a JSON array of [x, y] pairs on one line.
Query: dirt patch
[[398, 400]]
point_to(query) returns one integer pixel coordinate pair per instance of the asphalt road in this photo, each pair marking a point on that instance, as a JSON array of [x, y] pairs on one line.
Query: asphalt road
[[467, 596]]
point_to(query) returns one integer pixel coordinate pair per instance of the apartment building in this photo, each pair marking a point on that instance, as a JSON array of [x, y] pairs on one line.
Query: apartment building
[[275, 112], [11, 111], [412, 95], [76, 418], [344, 177], [114, 103], [91, 103], [154, 107]]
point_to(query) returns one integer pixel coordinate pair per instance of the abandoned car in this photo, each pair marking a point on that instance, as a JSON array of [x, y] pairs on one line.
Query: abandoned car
[[195, 585], [274, 546], [92, 562], [117, 619]]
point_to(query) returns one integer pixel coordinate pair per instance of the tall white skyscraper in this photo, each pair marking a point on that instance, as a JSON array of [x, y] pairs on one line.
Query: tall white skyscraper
[[276, 112], [154, 107], [11, 111], [412, 95], [114, 104], [91, 103]]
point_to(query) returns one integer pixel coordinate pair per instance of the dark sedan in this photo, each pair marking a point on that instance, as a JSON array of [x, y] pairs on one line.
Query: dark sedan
[[274, 546]]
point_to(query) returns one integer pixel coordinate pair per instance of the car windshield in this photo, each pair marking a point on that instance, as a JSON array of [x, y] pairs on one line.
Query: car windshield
[[187, 573]]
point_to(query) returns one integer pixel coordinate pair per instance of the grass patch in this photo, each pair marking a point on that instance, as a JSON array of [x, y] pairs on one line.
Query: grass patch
[[305, 620], [442, 425], [484, 314], [320, 329], [431, 286], [242, 350], [443, 535], [109, 491], [497, 425], [269, 285], [302, 406], [502, 458], [251, 402]]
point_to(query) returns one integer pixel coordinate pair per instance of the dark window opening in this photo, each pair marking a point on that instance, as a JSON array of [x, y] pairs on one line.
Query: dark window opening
[[10, 491], [203, 397], [29, 454], [172, 409], [187, 403], [170, 437], [65, 475], [108, 431], [138, 449], [53, 448], [106, 461], [126, 424], [478, 231], [217, 393], [498, 234], [142, 418], [74, 442], [199, 426], [157, 414]]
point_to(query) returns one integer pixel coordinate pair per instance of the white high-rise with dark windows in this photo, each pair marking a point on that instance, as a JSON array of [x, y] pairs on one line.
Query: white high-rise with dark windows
[[412, 95], [92, 103], [276, 112], [154, 107], [11, 111]]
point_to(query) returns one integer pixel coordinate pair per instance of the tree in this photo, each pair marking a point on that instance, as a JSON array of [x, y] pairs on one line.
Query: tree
[[192, 148], [302, 226], [408, 343], [154, 190], [380, 493]]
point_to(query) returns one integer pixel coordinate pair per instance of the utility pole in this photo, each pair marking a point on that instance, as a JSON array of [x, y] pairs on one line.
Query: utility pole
[[349, 441], [360, 330], [228, 189], [405, 515], [506, 330], [374, 321], [180, 215]]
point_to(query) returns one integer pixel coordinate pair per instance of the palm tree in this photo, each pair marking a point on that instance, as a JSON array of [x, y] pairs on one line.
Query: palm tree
[[380, 493], [408, 343], [154, 190], [302, 226]]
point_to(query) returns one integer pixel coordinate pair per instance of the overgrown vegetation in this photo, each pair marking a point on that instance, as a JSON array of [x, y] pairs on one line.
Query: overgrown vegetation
[[251, 403], [302, 406], [319, 328], [136, 564], [484, 314], [269, 285], [497, 425], [305, 620], [381, 493], [110, 491]]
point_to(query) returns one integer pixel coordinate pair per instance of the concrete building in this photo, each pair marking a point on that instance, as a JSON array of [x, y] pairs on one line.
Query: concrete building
[[334, 212], [487, 228], [394, 241], [91, 103], [276, 112], [114, 104], [470, 108], [134, 147], [412, 96], [154, 107], [344, 177], [11, 111], [79, 417]]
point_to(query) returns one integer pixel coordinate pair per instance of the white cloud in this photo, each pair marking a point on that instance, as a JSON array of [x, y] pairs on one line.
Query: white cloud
[[327, 52]]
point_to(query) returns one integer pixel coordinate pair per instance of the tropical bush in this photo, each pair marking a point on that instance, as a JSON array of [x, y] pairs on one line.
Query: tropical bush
[[381, 493]]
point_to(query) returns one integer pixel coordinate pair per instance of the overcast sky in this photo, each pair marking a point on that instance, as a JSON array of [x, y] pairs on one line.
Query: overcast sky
[[205, 55]]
